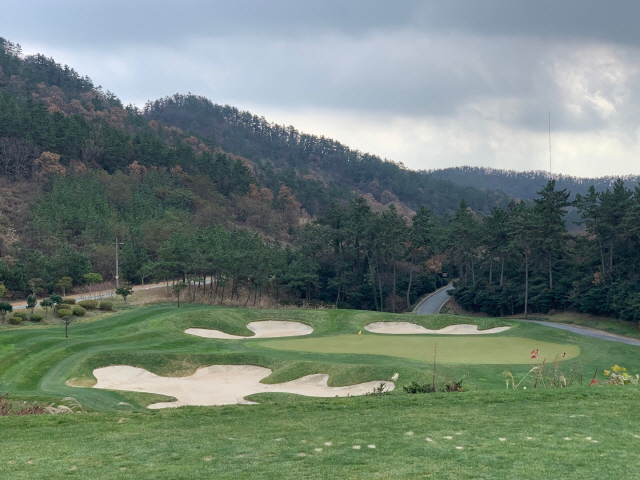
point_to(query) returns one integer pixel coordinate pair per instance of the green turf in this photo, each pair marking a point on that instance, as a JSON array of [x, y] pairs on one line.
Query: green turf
[[568, 434], [458, 349], [119, 438]]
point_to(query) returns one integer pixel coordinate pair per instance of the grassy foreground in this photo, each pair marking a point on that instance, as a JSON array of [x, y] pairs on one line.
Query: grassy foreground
[[518, 434], [484, 432]]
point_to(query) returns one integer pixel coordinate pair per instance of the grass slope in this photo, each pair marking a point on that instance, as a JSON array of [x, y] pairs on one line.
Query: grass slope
[[547, 434]]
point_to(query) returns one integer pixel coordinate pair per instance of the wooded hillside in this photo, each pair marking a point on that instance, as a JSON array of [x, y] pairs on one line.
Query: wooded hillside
[[196, 190]]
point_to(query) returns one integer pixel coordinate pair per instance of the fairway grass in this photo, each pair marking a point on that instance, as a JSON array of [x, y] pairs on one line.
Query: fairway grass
[[451, 350]]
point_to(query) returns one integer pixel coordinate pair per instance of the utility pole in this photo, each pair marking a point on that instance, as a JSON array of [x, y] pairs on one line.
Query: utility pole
[[117, 243], [549, 142]]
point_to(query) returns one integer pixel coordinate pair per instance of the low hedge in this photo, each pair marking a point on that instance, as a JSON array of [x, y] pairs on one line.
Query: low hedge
[[69, 301], [15, 320], [36, 317], [88, 304], [78, 311], [106, 306], [63, 312], [21, 315]]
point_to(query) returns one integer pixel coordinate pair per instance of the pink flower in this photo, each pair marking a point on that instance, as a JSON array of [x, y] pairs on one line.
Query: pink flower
[[534, 353], [593, 382]]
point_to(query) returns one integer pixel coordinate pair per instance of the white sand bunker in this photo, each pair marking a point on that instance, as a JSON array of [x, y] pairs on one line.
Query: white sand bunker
[[406, 328], [220, 384], [262, 329]]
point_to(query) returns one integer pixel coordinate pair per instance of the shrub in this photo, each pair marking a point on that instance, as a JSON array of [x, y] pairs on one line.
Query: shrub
[[63, 312], [36, 317], [70, 301], [88, 304], [15, 320], [22, 315], [79, 311], [106, 306]]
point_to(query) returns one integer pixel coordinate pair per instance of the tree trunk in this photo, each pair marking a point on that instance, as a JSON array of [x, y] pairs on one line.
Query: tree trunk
[[502, 272], [611, 259], [490, 270], [526, 283], [473, 272], [409, 287], [380, 287], [248, 297], [373, 282], [550, 273], [604, 270]]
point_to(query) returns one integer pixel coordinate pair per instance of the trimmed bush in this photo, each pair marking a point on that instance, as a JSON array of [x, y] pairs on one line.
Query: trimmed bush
[[36, 317], [79, 311], [22, 315], [88, 304], [15, 320], [106, 306], [63, 312], [70, 301]]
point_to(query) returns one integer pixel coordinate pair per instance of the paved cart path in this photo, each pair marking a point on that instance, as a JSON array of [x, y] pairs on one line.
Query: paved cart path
[[434, 302]]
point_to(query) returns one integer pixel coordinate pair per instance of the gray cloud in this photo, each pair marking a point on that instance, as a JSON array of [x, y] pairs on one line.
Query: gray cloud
[[484, 73]]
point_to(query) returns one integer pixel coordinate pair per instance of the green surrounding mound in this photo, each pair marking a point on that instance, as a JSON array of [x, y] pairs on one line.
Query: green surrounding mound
[[459, 349]]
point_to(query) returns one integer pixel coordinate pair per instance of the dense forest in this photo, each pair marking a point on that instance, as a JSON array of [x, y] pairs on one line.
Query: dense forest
[[197, 191], [276, 147]]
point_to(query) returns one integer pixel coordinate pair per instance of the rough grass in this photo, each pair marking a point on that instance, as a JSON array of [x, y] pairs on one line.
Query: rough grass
[[503, 435]]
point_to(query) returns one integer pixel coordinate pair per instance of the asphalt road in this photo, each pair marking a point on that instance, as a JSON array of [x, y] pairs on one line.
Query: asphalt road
[[434, 302], [589, 332]]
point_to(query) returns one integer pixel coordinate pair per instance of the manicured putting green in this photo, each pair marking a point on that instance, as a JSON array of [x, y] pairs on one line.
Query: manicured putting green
[[451, 350]]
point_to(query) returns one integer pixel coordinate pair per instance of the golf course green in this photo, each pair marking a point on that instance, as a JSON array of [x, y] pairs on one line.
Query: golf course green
[[486, 431], [451, 350]]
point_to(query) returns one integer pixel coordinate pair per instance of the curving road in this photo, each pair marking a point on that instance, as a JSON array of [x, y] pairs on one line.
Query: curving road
[[434, 302], [588, 332]]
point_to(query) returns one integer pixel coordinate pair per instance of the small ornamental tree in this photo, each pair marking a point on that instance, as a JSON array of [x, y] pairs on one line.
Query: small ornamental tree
[[92, 278], [36, 285], [177, 289], [124, 291], [46, 304], [67, 318], [64, 284], [55, 298], [31, 302], [5, 307]]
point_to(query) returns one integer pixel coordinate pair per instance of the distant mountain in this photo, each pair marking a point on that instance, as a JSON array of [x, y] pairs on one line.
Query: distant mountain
[[283, 154], [524, 185]]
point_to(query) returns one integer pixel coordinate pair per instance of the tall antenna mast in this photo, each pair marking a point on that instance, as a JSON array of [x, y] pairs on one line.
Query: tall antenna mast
[[549, 142]]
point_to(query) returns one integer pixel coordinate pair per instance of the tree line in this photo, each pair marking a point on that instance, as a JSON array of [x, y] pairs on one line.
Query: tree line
[[523, 259]]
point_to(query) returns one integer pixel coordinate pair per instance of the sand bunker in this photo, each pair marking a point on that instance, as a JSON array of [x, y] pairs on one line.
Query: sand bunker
[[262, 329], [220, 384], [406, 328]]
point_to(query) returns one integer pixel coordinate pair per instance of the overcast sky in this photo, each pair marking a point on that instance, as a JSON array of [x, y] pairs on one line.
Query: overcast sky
[[432, 84]]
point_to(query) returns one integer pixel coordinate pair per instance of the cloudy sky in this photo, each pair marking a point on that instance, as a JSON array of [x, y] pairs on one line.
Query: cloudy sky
[[431, 84]]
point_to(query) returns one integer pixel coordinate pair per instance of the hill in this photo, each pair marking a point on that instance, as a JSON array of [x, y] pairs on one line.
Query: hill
[[284, 151], [524, 185]]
